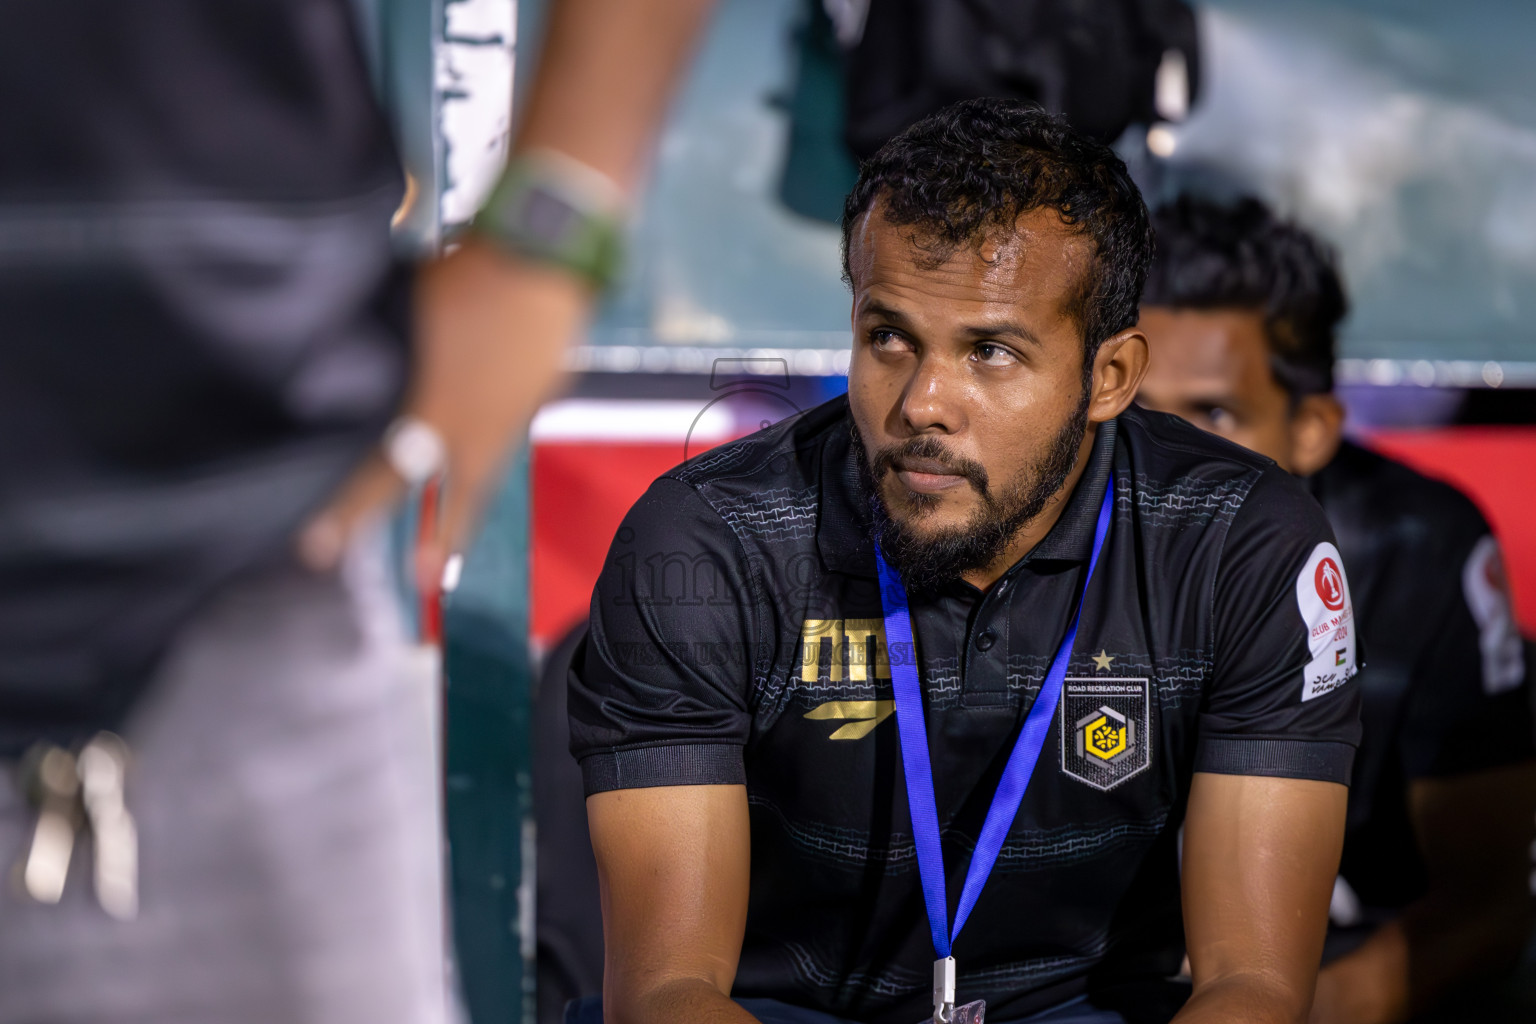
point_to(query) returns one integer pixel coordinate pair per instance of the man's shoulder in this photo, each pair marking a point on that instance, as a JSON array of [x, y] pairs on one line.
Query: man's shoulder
[[768, 484], [1169, 446], [787, 452], [1368, 493], [1183, 475]]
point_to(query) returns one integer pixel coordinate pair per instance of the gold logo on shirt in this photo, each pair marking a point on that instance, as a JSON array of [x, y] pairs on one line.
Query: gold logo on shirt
[[862, 716], [855, 650], [848, 642]]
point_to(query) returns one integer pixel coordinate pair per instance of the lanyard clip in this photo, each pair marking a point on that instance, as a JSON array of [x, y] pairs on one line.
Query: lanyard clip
[[944, 990]]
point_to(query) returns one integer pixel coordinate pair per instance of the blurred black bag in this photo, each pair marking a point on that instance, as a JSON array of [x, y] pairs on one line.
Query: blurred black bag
[[1095, 61]]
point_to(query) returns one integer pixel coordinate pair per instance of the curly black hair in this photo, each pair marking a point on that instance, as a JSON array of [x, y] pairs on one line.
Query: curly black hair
[[1239, 255], [973, 168]]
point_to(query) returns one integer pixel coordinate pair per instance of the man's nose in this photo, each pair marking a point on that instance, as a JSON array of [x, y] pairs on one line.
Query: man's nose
[[931, 402]]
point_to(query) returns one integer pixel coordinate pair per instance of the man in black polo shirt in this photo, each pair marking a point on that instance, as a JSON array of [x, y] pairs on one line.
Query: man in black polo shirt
[[745, 708], [1240, 310]]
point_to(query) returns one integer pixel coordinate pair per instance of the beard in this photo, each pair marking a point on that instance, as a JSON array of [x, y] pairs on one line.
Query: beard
[[930, 561]]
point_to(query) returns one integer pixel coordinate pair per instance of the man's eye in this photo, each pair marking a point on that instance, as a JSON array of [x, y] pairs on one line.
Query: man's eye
[[1220, 418], [994, 355], [887, 340]]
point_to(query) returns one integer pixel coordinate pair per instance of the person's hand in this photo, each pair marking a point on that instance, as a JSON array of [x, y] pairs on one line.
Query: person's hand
[[491, 335]]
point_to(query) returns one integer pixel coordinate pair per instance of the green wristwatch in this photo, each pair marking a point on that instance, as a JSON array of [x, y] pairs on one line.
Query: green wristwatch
[[555, 210]]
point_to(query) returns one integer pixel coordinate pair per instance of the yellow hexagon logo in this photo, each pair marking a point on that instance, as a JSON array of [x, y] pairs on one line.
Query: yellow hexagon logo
[[1104, 738]]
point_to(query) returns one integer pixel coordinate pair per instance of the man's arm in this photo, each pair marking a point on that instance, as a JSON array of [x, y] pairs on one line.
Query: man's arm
[[659, 724], [673, 864], [1265, 825], [493, 329], [1475, 832], [1260, 857], [605, 77]]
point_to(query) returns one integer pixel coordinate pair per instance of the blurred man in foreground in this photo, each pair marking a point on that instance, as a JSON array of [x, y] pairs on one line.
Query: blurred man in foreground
[[1433, 893], [209, 359], [814, 651]]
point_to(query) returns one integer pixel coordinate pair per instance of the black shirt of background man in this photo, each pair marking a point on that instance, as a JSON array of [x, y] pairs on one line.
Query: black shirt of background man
[[737, 639], [1445, 688], [205, 327]]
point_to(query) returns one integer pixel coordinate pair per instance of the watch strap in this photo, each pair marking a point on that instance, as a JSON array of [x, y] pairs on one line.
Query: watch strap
[[555, 210]]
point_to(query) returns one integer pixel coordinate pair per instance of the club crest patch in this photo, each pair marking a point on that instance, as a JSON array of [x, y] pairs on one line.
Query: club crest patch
[[1322, 598], [1106, 734]]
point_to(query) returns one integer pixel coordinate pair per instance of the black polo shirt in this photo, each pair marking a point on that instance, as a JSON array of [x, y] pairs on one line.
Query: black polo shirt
[[1446, 690], [737, 638]]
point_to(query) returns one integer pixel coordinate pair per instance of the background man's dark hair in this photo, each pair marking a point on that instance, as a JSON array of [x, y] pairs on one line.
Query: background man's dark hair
[[1240, 256], [973, 168]]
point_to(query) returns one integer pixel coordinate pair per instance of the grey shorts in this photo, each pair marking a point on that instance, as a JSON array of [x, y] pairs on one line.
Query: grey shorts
[[285, 785]]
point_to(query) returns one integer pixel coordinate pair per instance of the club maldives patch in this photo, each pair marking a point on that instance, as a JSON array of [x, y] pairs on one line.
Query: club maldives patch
[[1106, 734], [1322, 595]]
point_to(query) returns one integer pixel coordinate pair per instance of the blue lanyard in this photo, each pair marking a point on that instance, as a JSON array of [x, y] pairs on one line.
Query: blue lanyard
[[914, 749]]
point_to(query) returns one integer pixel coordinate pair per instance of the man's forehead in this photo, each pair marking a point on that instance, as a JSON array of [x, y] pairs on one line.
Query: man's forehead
[[1040, 251], [1205, 345]]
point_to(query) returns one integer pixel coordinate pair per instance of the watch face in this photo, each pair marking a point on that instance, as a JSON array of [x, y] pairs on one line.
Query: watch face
[[547, 217]]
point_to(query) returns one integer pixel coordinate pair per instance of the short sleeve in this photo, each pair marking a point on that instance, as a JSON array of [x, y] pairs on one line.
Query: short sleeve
[[659, 688], [1468, 705], [1283, 701]]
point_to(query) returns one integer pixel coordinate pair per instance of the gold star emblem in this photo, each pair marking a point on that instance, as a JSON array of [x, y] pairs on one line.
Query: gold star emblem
[[1102, 659]]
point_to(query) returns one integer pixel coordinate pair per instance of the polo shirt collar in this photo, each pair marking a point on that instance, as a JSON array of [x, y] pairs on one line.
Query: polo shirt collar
[[1071, 539], [843, 526]]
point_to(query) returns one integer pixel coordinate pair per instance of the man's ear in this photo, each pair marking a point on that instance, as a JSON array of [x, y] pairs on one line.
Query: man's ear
[[1117, 373], [1317, 427]]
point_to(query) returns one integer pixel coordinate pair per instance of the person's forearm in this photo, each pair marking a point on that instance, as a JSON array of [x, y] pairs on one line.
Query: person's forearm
[[1408, 963], [1252, 999], [606, 74], [688, 1001]]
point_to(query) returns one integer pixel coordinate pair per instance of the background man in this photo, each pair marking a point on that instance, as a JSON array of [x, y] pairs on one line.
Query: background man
[[205, 339], [1240, 311], [733, 704]]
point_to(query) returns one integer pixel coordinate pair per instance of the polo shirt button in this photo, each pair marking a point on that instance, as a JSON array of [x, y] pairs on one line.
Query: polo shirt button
[[985, 641]]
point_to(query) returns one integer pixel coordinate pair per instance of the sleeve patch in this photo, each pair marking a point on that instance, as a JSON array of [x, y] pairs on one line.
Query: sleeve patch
[[1328, 614], [1486, 586]]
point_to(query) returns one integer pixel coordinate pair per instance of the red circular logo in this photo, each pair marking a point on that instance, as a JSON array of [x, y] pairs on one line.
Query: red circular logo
[[1330, 584]]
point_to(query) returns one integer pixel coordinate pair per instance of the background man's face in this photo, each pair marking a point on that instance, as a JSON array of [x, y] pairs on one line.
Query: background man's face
[[1211, 367], [967, 377]]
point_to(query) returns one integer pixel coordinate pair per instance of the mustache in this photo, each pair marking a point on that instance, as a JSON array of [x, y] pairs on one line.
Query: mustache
[[888, 460]]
